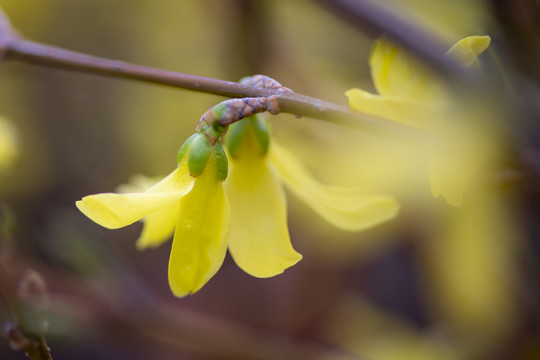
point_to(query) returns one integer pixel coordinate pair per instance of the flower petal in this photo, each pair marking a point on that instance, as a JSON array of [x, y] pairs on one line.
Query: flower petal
[[200, 239], [447, 180], [259, 237], [396, 74], [348, 209], [114, 211], [404, 111], [158, 227], [467, 50]]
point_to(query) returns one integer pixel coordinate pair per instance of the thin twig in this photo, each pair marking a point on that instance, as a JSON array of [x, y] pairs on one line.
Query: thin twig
[[38, 350], [15, 47], [377, 21]]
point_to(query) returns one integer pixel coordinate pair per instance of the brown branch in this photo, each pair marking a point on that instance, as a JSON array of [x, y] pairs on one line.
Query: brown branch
[[15, 47], [38, 350], [140, 314], [377, 21]]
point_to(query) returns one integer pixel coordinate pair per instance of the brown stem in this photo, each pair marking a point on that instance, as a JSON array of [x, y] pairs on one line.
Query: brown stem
[[15, 47], [377, 21], [38, 350]]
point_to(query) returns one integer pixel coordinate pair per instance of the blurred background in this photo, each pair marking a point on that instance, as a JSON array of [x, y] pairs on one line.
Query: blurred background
[[436, 283]]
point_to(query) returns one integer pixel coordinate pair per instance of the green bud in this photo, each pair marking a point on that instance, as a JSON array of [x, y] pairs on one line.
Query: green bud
[[184, 149], [221, 162], [235, 136], [261, 132], [198, 155]]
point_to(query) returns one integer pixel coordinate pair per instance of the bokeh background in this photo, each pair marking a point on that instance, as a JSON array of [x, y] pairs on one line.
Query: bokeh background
[[436, 283]]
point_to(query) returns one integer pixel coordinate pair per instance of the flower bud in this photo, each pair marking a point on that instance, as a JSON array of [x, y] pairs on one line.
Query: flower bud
[[199, 153], [255, 124], [235, 137]]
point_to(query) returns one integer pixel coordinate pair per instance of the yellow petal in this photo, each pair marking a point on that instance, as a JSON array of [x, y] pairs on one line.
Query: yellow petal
[[467, 50], [404, 111], [158, 227], [114, 211], [200, 239], [348, 209], [445, 180], [473, 260], [398, 75], [259, 237]]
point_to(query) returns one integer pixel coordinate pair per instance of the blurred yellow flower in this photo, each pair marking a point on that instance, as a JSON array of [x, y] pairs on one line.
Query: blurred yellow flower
[[362, 328], [471, 253], [410, 94], [9, 148]]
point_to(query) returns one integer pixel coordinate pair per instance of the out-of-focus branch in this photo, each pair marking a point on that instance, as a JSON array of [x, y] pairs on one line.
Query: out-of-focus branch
[[376, 20], [142, 315], [39, 350], [15, 47], [29, 297], [35, 347]]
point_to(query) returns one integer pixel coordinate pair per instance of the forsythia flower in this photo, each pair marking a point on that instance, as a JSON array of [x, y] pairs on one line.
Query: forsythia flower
[[195, 205], [411, 95], [254, 225], [259, 237]]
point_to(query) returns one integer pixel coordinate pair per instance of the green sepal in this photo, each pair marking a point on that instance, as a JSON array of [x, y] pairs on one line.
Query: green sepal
[[261, 132], [221, 162], [214, 130], [198, 155], [184, 149], [235, 136]]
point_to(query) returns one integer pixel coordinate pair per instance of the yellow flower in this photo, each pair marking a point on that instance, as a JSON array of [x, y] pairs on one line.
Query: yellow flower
[[410, 94], [196, 209], [259, 238], [196, 206]]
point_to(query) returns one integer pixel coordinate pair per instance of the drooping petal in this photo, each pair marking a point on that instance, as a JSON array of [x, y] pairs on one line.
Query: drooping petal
[[259, 237], [200, 239], [114, 211], [158, 227], [346, 208], [396, 74], [466, 50], [408, 112]]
